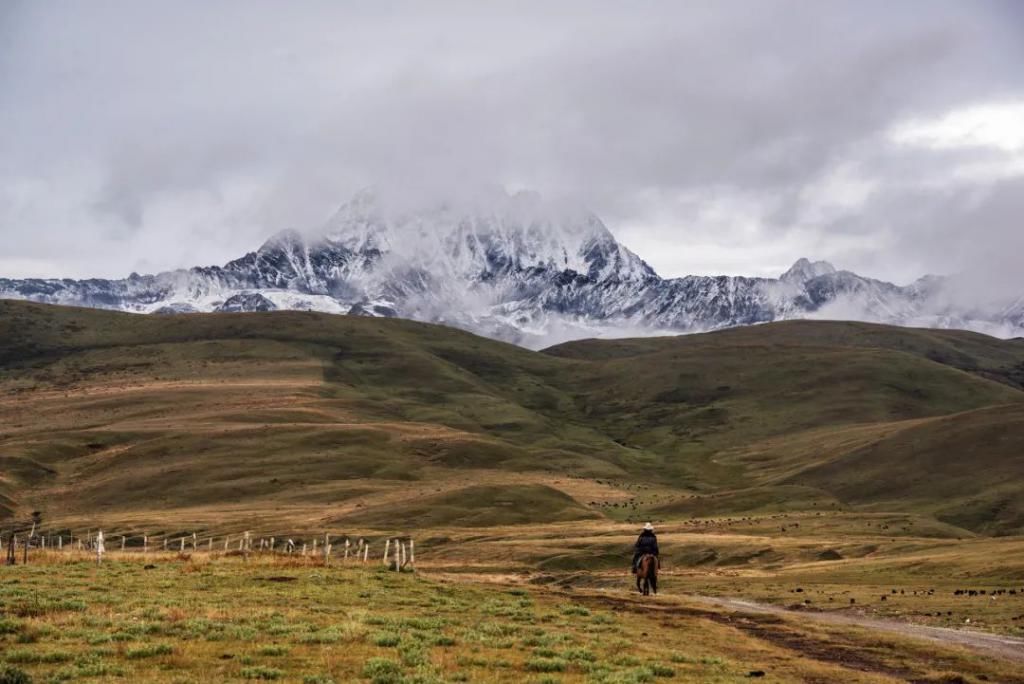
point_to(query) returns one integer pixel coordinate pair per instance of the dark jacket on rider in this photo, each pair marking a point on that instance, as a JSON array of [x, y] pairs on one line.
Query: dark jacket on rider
[[646, 543]]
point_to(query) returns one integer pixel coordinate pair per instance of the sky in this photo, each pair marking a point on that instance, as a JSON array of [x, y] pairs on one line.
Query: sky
[[724, 137]]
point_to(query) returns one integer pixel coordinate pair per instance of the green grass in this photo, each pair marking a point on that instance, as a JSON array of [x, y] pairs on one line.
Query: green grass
[[160, 421]]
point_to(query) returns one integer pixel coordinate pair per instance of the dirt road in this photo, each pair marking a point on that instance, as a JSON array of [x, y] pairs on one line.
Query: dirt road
[[1007, 647]]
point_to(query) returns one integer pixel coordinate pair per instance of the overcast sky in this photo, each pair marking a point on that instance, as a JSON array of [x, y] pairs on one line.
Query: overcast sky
[[711, 137]]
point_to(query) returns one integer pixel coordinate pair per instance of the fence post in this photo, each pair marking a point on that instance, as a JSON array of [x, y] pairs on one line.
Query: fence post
[[145, 543], [122, 542], [412, 554], [387, 549], [60, 542], [195, 543], [100, 548], [209, 547], [346, 548], [366, 552], [226, 538], [182, 549]]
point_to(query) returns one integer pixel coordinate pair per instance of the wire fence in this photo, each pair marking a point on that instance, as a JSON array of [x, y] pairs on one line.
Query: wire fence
[[399, 553]]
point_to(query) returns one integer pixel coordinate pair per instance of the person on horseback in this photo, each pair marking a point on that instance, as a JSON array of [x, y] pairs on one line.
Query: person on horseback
[[646, 543]]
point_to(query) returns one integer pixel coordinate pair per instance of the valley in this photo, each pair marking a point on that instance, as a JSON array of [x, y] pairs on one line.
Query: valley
[[852, 470]]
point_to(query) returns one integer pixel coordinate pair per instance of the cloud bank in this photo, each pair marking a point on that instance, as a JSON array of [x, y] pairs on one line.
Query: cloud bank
[[712, 137]]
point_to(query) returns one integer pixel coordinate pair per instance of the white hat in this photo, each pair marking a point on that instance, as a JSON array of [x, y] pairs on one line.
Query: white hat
[[649, 526]]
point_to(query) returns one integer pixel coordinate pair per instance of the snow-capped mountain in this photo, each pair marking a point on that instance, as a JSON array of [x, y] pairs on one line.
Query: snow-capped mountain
[[516, 268]]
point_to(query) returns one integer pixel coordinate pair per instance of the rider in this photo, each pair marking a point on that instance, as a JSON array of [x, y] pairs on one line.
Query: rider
[[646, 543]]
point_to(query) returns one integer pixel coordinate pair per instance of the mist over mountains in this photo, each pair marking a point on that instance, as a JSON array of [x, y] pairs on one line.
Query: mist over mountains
[[516, 268]]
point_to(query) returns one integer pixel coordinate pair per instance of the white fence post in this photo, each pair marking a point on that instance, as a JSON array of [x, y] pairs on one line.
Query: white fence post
[[387, 550], [100, 549]]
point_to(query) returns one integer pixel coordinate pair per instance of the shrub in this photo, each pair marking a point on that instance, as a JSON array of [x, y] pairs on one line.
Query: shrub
[[412, 655], [580, 655], [273, 651], [149, 651], [23, 656], [662, 671], [260, 672], [382, 671], [545, 665], [12, 675], [317, 679], [386, 639], [575, 610]]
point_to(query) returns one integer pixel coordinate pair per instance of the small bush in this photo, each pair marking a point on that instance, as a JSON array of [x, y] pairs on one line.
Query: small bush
[[386, 639], [23, 656], [575, 610], [662, 671], [412, 655], [546, 665], [382, 671], [149, 651], [317, 679], [9, 626], [580, 655], [442, 640], [260, 672], [12, 675], [273, 651]]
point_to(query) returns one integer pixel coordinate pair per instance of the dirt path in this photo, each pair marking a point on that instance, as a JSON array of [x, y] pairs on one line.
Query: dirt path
[[1007, 647]]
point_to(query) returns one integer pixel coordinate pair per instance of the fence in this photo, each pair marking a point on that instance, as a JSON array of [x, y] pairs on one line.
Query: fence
[[399, 552]]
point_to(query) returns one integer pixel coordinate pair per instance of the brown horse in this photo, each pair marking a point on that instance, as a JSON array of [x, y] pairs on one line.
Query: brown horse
[[647, 574]]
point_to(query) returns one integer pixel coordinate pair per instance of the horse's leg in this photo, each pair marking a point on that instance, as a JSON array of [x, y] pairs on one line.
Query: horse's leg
[[654, 583]]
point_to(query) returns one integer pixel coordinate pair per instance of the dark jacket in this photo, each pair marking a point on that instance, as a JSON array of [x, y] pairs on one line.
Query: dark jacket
[[646, 543]]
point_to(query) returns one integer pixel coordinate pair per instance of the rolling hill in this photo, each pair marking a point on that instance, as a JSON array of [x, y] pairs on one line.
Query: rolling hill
[[240, 419]]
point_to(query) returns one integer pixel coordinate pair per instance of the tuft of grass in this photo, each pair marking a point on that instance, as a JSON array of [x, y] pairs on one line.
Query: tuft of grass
[[272, 650], [25, 656], [149, 651], [261, 672], [546, 665]]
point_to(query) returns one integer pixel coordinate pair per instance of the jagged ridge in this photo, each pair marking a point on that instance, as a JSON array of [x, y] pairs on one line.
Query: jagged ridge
[[515, 268]]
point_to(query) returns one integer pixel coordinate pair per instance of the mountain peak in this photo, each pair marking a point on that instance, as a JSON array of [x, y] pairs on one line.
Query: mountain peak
[[804, 270]]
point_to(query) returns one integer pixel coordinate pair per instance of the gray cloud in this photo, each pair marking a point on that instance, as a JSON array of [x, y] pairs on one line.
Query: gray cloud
[[711, 136]]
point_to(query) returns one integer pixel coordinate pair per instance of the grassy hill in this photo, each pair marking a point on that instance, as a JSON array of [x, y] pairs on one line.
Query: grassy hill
[[299, 419]]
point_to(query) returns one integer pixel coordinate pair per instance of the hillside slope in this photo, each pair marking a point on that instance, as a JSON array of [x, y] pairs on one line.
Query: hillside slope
[[245, 417]]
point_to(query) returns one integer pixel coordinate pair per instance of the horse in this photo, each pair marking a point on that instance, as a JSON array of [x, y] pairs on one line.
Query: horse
[[647, 574]]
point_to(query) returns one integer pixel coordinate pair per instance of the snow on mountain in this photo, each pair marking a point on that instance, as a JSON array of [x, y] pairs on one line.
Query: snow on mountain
[[517, 268]]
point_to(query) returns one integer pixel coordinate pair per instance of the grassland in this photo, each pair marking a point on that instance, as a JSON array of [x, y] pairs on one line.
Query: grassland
[[225, 619], [220, 418], [848, 470]]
